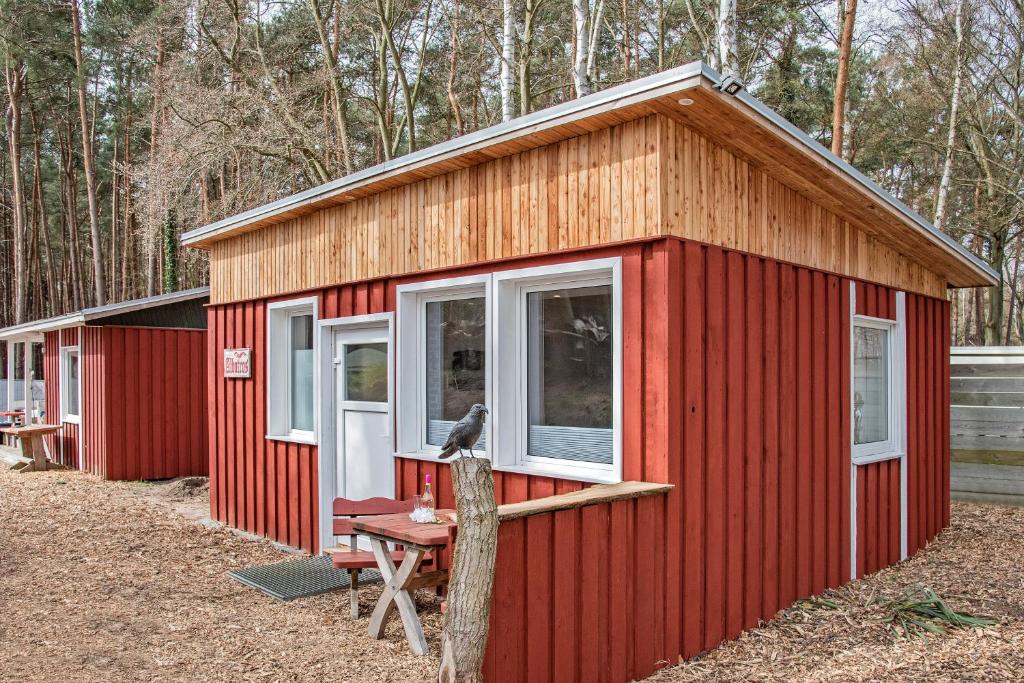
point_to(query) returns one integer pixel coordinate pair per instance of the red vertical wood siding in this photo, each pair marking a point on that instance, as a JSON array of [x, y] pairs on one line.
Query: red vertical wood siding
[[878, 484], [64, 445], [150, 386], [738, 383]]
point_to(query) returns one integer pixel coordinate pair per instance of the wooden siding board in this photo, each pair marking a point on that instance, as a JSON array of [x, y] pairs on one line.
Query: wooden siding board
[[648, 177]]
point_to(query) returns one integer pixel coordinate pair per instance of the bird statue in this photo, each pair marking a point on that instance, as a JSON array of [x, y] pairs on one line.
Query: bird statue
[[465, 432]]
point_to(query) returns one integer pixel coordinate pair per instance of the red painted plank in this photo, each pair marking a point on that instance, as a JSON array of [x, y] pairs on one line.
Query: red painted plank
[[539, 598], [753, 458], [693, 450], [735, 396], [787, 391], [566, 594], [819, 451], [715, 491], [805, 427], [632, 361], [770, 557]]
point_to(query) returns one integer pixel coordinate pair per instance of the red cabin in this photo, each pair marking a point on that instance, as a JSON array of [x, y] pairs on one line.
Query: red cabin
[[126, 382], [662, 282]]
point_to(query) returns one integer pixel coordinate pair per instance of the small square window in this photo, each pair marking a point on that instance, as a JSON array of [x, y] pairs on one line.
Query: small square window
[[366, 372]]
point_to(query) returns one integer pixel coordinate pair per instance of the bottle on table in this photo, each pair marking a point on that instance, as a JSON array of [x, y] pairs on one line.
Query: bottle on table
[[427, 499]]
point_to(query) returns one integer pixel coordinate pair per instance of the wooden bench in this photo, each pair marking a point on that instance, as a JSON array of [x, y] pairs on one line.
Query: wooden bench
[[33, 446], [349, 556]]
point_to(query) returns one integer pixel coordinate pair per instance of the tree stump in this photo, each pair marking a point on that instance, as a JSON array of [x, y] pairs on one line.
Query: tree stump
[[471, 578]]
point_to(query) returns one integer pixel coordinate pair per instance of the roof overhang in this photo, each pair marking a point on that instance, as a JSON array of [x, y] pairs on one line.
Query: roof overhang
[[35, 329], [737, 121]]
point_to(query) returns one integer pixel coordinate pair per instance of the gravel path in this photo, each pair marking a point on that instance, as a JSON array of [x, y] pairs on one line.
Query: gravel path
[[100, 581]]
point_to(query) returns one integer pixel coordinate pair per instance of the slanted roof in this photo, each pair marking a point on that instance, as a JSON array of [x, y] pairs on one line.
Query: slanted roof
[[103, 313], [690, 94]]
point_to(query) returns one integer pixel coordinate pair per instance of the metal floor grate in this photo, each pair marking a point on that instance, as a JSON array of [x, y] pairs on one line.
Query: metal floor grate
[[301, 578]]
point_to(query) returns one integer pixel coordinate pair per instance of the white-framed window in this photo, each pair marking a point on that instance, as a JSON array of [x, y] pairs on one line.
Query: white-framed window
[[291, 370], [70, 385], [878, 388], [443, 360], [541, 347], [558, 377]]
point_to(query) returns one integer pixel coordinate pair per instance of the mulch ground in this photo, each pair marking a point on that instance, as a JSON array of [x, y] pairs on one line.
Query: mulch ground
[[100, 581], [977, 566], [118, 581]]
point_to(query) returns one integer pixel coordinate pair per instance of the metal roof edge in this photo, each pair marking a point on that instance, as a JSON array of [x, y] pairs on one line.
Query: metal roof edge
[[44, 325], [566, 112], [99, 312]]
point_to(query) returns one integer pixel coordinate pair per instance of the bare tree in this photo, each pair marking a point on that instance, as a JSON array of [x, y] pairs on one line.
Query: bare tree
[[88, 162], [954, 110], [728, 56]]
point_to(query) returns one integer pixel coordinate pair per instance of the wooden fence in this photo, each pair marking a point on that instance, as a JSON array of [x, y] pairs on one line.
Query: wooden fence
[[987, 423]]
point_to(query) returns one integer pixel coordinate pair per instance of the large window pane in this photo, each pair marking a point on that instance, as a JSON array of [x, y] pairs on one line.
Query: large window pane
[[455, 364], [870, 385], [72, 379], [569, 374], [366, 372], [301, 372]]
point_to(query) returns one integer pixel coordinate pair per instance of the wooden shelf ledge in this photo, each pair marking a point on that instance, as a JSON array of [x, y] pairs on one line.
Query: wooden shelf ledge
[[594, 495]]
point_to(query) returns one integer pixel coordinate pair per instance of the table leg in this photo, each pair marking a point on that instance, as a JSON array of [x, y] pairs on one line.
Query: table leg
[[38, 453], [396, 594]]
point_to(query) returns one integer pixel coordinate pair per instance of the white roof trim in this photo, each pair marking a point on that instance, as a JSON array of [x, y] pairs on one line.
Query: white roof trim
[[634, 92]]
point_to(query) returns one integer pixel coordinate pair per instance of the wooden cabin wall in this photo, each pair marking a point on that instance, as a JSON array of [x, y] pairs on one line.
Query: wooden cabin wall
[[270, 487], [640, 179], [755, 404], [145, 402], [64, 445], [878, 484]]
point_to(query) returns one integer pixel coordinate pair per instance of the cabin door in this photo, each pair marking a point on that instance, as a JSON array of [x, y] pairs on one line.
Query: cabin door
[[365, 463]]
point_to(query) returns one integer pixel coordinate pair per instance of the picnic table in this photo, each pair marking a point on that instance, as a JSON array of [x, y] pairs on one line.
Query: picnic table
[[33, 446], [418, 540]]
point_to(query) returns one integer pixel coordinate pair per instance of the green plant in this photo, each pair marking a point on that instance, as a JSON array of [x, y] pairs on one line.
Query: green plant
[[920, 610]]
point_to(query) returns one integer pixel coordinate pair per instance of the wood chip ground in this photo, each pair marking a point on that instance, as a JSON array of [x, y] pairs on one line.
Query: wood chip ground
[[100, 582], [119, 582]]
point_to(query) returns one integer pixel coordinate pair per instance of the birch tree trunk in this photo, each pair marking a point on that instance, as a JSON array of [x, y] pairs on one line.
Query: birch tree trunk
[[581, 21], [88, 162], [464, 640], [954, 110], [507, 55], [843, 78], [728, 57]]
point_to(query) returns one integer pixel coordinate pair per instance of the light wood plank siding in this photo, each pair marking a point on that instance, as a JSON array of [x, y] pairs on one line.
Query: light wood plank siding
[[639, 179]]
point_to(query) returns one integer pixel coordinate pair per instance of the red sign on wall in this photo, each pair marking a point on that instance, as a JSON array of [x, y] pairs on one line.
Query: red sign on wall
[[238, 363]]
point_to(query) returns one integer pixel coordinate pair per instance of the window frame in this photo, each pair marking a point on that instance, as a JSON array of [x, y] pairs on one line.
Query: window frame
[[279, 369], [412, 300], [65, 367], [510, 414], [895, 445]]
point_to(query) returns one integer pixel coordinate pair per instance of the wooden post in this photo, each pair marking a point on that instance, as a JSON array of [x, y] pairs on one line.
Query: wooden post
[[471, 579]]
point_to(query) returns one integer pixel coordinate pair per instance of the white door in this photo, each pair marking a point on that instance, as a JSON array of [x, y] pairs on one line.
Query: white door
[[365, 464]]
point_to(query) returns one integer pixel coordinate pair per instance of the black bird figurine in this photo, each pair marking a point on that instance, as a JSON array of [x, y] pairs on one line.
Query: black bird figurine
[[465, 432]]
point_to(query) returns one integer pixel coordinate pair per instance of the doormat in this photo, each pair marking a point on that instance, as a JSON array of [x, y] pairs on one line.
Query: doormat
[[301, 578]]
